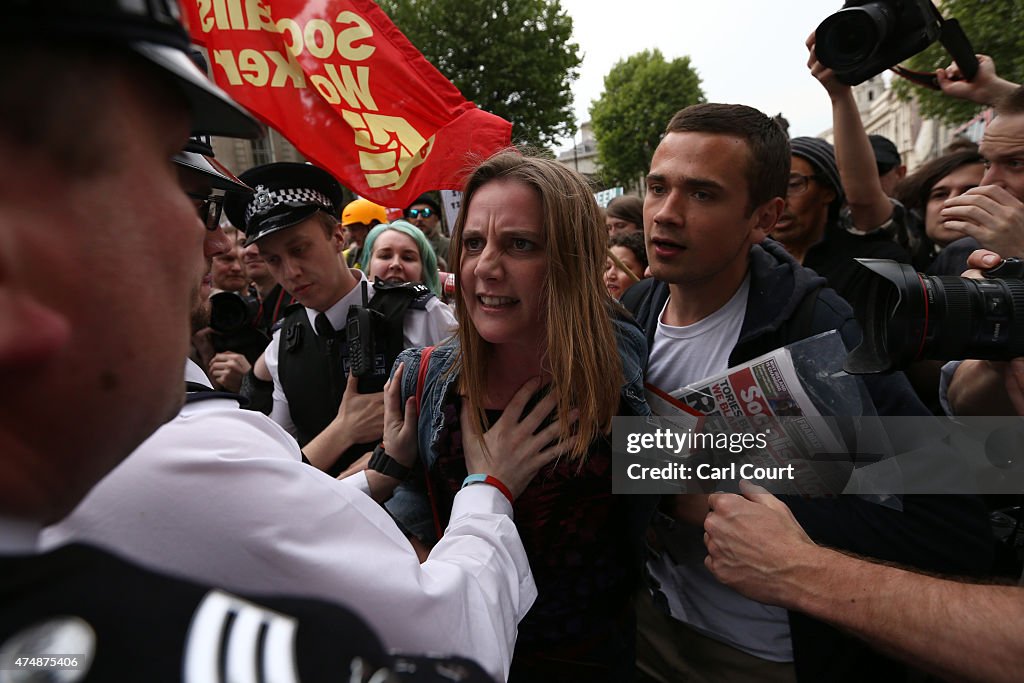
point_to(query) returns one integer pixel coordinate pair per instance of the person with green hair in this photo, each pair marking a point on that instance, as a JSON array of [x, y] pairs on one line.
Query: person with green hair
[[399, 252]]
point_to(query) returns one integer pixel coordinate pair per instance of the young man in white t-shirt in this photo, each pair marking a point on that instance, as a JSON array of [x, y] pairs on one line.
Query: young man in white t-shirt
[[721, 295]]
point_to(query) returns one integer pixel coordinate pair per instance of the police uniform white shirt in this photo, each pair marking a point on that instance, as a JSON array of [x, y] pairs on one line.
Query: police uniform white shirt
[[420, 328], [220, 495]]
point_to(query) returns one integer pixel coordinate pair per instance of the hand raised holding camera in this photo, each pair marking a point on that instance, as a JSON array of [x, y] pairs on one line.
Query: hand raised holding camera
[[826, 76]]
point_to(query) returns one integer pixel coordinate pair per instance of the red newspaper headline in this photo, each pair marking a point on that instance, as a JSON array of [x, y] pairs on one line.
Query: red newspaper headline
[[343, 84]]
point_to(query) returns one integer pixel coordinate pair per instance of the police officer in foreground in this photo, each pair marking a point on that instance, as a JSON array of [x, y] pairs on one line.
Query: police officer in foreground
[[293, 218], [91, 206], [156, 508]]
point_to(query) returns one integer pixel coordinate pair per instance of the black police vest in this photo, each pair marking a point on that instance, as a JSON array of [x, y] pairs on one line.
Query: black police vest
[[313, 388]]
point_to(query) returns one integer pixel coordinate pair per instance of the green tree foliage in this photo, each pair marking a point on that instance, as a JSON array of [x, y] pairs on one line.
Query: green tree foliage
[[513, 58], [641, 94], [995, 28]]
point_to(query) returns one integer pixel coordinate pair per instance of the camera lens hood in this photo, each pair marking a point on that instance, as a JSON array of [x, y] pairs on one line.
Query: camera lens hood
[[894, 311]]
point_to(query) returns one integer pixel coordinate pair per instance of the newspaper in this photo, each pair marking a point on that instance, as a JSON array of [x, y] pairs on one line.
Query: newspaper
[[748, 399]]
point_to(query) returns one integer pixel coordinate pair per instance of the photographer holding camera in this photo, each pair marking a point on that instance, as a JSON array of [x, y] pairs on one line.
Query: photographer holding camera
[[930, 623], [990, 216]]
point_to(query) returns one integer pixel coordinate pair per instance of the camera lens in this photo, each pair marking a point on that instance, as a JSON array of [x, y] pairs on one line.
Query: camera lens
[[908, 316], [228, 312], [974, 318], [851, 36]]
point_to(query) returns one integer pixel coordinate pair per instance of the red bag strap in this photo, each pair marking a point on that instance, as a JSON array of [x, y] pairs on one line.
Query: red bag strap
[[421, 376], [421, 380]]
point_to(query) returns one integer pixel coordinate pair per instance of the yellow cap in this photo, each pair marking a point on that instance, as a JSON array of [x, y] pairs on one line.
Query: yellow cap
[[363, 211]]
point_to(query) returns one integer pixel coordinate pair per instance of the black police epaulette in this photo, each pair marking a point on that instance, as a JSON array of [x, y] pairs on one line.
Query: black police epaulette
[[289, 308], [417, 288], [420, 294], [421, 301]]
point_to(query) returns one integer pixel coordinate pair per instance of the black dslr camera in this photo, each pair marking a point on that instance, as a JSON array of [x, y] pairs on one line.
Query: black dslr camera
[[867, 37], [909, 316], [233, 319]]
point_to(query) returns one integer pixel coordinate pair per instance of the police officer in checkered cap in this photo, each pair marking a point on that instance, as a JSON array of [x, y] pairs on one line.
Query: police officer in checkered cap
[[286, 194], [293, 218]]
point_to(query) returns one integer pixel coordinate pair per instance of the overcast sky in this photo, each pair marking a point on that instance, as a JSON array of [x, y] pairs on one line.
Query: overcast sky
[[745, 51]]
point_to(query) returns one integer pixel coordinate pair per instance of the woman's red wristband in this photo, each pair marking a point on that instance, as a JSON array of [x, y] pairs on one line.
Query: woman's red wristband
[[493, 481]]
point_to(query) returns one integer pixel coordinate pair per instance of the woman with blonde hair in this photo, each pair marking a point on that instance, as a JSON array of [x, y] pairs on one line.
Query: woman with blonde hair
[[536, 325]]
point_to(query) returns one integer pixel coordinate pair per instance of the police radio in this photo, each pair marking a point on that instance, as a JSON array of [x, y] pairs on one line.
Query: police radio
[[375, 330], [360, 332]]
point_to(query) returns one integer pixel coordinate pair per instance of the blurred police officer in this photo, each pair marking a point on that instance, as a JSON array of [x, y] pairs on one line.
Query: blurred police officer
[[96, 98]]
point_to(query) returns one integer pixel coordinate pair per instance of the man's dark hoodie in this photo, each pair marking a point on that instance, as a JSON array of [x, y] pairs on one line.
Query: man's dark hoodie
[[947, 534]]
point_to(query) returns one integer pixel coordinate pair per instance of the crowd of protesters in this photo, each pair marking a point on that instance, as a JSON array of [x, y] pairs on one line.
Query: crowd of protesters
[[393, 487]]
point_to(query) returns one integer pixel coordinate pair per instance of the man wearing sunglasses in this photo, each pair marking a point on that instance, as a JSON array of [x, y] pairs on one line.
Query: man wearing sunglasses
[[205, 180], [425, 214]]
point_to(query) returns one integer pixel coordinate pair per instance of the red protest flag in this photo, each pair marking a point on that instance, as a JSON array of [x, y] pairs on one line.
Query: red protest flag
[[342, 83]]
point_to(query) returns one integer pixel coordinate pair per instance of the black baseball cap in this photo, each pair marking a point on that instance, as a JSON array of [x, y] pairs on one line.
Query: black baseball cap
[[286, 194], [887, 157], [152, 30]]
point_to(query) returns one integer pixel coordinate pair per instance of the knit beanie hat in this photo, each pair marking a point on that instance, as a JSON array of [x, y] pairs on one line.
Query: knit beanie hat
[[822, 156]]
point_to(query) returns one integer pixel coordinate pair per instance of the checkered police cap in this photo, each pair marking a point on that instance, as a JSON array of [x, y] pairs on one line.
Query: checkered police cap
[[286, 194], [265, 200]]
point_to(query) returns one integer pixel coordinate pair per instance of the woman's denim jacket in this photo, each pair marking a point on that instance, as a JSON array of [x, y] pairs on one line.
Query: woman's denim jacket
[[410, 505]]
